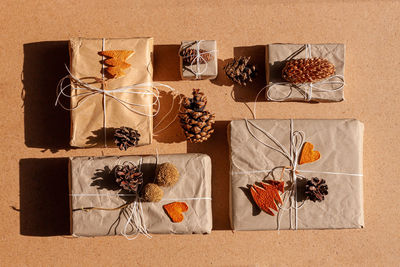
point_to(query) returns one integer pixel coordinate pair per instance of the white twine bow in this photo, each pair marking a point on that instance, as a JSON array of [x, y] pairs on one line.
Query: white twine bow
[[296, 144], [306, 89], [199, 59]]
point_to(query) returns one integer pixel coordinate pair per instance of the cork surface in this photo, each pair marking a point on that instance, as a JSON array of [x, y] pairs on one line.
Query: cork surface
[[34, 225]]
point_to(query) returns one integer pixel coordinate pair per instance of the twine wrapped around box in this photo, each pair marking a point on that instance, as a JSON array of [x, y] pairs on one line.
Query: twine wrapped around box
[[248, 140], [328, 90]]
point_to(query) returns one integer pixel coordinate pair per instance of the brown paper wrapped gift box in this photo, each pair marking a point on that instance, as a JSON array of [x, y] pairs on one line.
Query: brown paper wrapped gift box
[[205, 71], [278, 54], [87, 122], [92, 184], [340, 143]]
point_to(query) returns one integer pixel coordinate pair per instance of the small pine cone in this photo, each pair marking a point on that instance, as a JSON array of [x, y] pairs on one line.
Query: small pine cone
[[240, 71], [125, 137], [196, 122], [189, 54], [308, 70], [316, 189], [128, 177]]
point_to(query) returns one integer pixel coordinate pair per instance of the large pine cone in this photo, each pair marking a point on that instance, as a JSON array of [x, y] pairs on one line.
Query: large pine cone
[[307, 70], [196, 122], [316, 189], [189, 54], [240, 71], [126, 137], [128, 177]]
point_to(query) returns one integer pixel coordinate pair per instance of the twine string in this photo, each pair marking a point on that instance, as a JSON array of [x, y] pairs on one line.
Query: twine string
[[85, 91], [296, 144], [103, 83], [306, 89], [199, 59]]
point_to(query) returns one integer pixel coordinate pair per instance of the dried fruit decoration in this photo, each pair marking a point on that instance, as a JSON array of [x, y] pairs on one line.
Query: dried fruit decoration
[[189, 56], [116, 62], [196, 122], [316, 189], [308, 155], [267, 196], [129, 177], [308, 70], [125, 137], [174, 211], [240, 70]]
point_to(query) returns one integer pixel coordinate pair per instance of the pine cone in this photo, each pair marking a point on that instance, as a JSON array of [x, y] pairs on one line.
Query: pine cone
[[196, 122], [189, 54], [316, 189], [125, 137], [240, 71], [307, 70], [128, 177]]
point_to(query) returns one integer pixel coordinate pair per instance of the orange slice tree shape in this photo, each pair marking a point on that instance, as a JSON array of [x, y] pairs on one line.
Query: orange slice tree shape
[[267, 195], [116, 62]]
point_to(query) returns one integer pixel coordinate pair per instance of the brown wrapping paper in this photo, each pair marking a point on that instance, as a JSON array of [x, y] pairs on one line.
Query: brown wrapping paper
[[340, 143], [89, 191], [206, 71], [278, 54], [87, 122]]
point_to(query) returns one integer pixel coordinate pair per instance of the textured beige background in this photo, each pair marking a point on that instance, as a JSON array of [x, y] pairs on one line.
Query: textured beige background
[[32, 188]]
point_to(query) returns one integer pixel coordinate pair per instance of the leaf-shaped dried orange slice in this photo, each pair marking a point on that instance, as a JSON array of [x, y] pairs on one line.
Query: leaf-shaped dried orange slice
[[115, 72], [174, 211], [116, 63], [118, 54], [267, 196], [308, 154]]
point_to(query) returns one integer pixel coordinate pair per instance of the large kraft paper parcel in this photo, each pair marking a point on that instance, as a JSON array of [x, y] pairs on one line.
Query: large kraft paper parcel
[[89, 118], [340, 143], [278, 54], [92, 184]]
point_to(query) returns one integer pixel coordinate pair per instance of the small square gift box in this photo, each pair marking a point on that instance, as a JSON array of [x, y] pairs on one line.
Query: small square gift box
[[198, 60], [305, 72], [296, 174], [132, 195], [111, 87]]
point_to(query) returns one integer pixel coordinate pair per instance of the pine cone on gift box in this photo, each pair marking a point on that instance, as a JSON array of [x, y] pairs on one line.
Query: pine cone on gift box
[[308, 70], [125, 137], [316, 189], [189, 54], [196, 122], [240, 71], [128, 177]]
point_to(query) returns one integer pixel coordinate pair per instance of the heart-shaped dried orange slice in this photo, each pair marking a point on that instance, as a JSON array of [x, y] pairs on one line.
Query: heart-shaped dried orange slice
[[174, 211], [308, 154]]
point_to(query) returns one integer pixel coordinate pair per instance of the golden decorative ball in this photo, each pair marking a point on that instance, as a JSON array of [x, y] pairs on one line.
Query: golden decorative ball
[[167, 174], [152, 193]]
